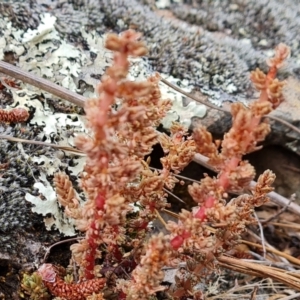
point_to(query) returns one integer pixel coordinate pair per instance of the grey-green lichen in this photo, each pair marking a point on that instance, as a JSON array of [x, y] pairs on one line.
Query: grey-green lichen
[[218, 63], [265, 22], [17, 174]]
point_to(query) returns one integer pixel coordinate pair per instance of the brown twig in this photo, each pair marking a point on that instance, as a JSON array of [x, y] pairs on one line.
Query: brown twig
[[63, 148], [263, 242], [42, 84], [204, 101], [282, 210], [253, 293], [173, 195], [260, 271], [286, 225], [290, 258], [59, 243], [198, 158], [160, 218], [276, 198], [79, 100], [178, 176]]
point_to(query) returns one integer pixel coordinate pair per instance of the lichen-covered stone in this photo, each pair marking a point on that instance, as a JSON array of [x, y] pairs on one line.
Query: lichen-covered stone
[[17, 175]]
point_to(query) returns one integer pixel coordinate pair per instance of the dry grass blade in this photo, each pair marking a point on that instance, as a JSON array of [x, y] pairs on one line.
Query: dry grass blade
[[241, 292], [63, 148], [253, 294], [160, 218], [173, 195], [291, 297], [252, 268], [286, 225], [170, 213], [274, 251]]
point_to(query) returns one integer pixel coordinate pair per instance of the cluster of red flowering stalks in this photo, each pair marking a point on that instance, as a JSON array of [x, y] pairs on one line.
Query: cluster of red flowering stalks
[[122, 121], [190, 235]]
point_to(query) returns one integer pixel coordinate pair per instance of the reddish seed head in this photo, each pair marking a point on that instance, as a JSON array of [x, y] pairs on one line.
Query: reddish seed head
[[177, 241], [100, 201], [209, 202], [143, 225], [224, 181], [21, 114], [201, 214], [186, 234]]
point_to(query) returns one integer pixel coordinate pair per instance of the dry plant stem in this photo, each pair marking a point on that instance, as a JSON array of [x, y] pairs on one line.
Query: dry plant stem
[[294, 274], [170, 213], [254, 292], [295, 296], [262, 235], [173, 195], [282, 210], [276, 198], [287, 124], [237, 290], [258, 259], [291, 168], [79, 100], [284, 260], [178, 176], [18, 140], [282, 201], [204, 101], [286, 225], [274, 251], [58, 243], [42, 84], [160, 218], [260, 271]]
